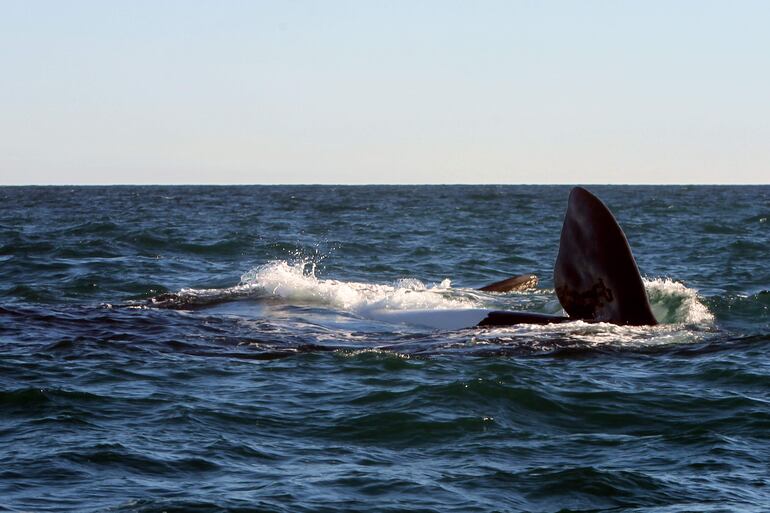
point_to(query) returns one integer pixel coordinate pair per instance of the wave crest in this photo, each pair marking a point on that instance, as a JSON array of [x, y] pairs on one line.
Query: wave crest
[[298, 282], [674, 303]]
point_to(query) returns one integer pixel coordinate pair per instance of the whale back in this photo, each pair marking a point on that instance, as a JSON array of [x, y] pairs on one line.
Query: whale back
[[595, 275]]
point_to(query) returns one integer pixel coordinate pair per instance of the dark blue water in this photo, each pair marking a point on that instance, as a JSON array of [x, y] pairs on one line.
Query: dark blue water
[[241, 349]]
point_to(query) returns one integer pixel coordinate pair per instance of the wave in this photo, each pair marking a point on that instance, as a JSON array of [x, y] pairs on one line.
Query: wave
[[674, 303]]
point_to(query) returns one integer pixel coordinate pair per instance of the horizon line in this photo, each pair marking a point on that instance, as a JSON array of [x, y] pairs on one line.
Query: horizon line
[[341, 184]]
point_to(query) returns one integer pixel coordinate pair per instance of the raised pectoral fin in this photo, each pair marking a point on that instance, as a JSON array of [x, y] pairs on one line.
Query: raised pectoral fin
[[595, 276]]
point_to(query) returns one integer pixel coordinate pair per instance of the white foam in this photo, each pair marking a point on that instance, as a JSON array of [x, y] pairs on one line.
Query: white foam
[[298, 282], [674, 303], [596, 335]]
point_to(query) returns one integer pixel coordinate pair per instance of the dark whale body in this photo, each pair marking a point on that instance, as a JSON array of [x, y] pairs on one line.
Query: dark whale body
[[516, 283], [595, 275]]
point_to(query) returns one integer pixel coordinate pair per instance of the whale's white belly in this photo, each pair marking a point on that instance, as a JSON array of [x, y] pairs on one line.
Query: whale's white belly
[[437, 319]]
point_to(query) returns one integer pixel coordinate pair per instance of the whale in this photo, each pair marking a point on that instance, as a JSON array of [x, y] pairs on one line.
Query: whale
[[596, 279], [518, 283], [595, 274]]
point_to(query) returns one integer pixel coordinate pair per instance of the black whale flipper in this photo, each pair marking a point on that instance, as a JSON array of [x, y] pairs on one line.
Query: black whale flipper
[[511, 318], [514, 283], [595, 275]]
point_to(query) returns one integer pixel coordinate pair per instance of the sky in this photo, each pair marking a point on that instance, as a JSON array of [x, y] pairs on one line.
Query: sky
[[291, 91]]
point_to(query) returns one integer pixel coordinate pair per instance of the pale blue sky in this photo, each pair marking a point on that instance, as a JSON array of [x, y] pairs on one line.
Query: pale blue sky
[[384, 92]]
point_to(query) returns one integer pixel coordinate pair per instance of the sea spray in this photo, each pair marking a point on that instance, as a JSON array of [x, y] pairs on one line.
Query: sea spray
[[298, 282], [673, 302]]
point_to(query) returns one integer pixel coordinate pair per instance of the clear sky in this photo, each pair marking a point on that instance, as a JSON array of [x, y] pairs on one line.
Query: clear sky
[[292, 91]]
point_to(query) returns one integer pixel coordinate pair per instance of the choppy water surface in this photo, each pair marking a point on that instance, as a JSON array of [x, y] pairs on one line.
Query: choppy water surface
[[268, 372]]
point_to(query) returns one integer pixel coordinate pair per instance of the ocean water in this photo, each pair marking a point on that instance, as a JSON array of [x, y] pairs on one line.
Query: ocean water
[[223, 349]]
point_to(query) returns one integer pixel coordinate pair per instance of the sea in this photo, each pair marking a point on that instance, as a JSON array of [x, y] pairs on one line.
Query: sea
[[250, 349]]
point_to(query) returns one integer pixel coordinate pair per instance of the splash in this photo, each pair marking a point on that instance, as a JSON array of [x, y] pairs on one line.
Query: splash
[[410, 301], [674, 303], [298, 282]]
